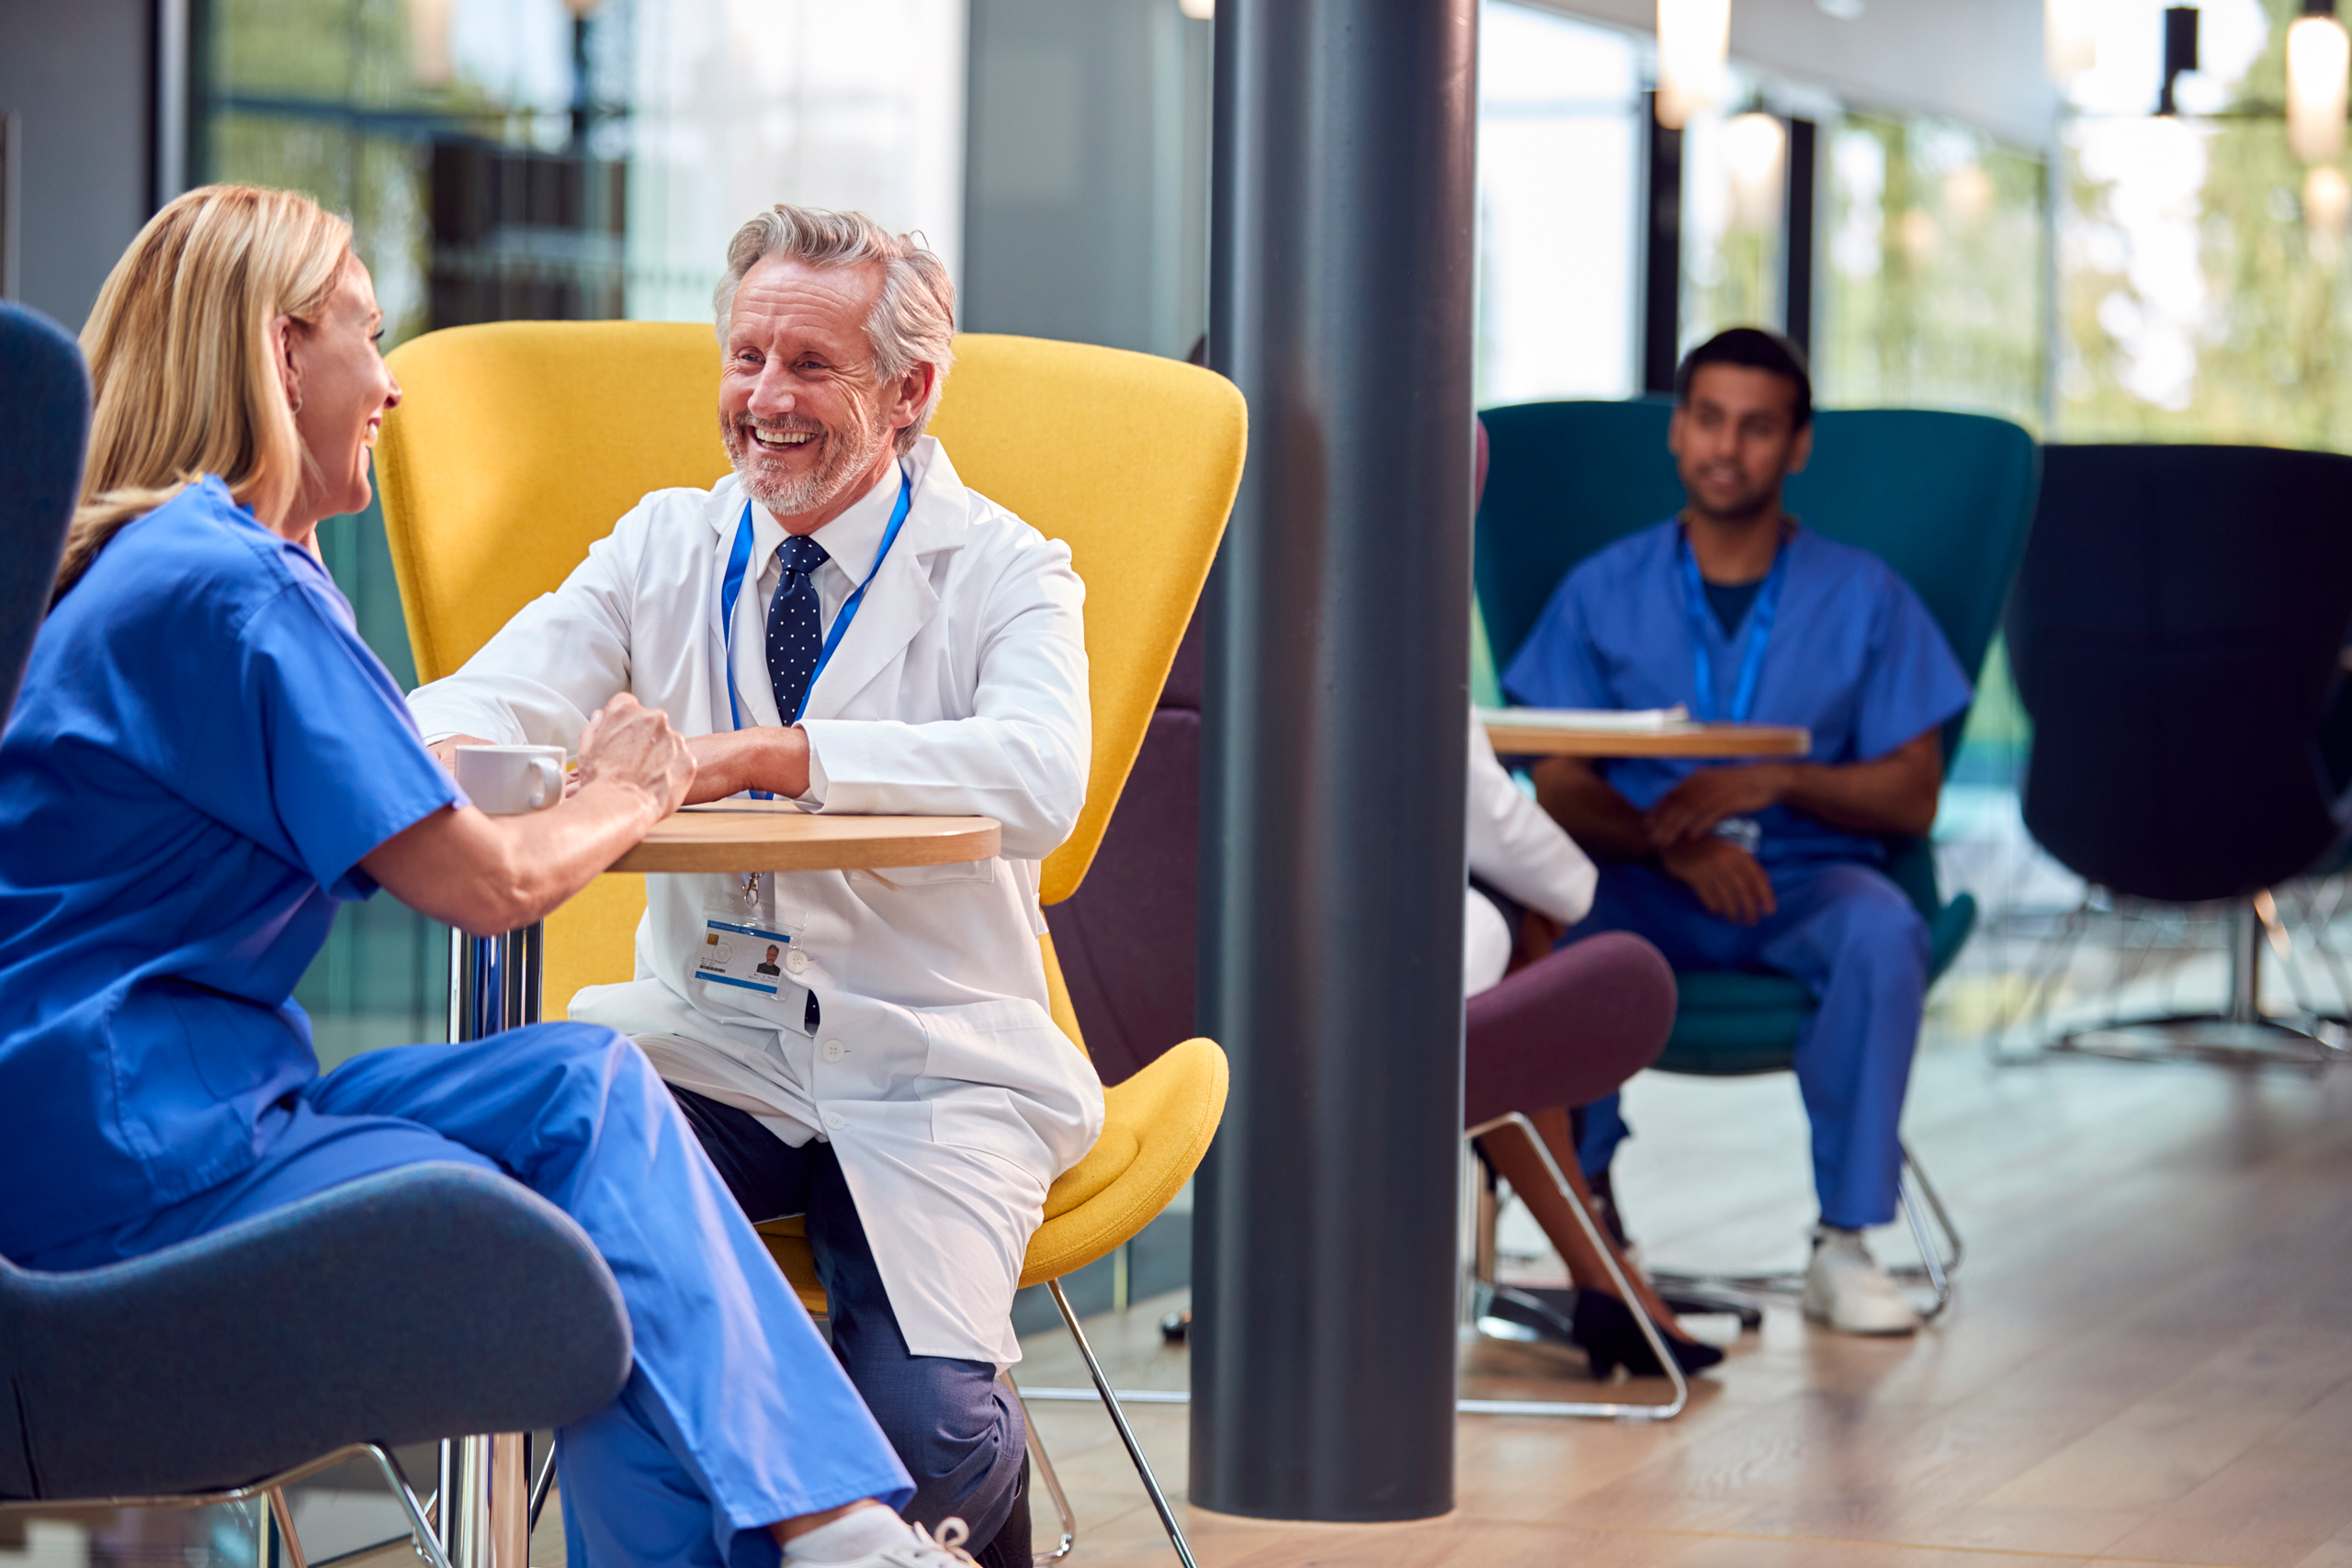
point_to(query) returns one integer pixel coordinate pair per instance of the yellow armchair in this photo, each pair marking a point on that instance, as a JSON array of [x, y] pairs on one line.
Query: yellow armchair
[[522, 443]]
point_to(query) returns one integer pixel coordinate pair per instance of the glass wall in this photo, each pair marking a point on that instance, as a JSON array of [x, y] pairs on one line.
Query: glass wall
[[1735, 183], [564, 159], [2202, 292], [1559, 204], [1931, 290], [1932, 287]]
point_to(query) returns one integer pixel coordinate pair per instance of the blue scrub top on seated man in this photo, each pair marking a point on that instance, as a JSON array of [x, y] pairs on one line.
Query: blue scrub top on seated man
[[1739, 611]]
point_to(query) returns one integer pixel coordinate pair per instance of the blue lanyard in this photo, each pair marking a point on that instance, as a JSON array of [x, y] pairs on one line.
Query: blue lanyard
[[1759, 632], [738, 561]]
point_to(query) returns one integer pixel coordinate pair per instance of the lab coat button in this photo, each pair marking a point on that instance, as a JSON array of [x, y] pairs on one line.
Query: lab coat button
[[835, 1050], [795, 962], [835, 1121]]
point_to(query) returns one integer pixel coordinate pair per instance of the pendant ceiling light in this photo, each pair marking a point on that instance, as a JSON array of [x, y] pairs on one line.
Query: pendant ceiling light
[[2069, 38], [2327, 203], [429, 62], [2317, 55], [1755, 145], [1693, 58]]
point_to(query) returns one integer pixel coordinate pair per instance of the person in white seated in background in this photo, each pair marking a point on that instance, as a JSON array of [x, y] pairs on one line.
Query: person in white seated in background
[[1572, 1026], [842, 625], [1517, 849]]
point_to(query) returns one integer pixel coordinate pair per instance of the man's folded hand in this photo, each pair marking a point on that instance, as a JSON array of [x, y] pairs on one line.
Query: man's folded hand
[[1728, 880]]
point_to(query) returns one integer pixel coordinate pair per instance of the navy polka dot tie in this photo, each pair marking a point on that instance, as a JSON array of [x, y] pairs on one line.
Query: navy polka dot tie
[[795, 626]]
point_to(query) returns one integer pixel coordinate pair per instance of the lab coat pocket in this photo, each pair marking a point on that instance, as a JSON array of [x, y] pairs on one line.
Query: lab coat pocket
[[907, 876], [988, 1121], [1005, 1062]]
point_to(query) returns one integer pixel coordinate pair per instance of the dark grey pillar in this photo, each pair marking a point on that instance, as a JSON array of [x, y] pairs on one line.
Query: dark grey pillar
[[1332, 769]]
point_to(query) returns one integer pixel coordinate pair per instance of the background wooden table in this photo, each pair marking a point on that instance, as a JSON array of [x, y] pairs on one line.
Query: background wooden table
[[754, 836], [1675, 740]]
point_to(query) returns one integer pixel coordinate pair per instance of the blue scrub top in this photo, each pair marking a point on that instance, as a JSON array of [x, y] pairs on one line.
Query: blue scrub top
[[1854, 657], [202, 752]]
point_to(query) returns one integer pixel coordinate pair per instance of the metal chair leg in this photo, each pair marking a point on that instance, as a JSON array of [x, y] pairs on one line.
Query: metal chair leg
[[276, 1528], [1127, 1434], [484, 1515], [1934, 1269], [2057, 951], [1045, 1463], [1938, 1274], [1614, 1410], [541, 1481]]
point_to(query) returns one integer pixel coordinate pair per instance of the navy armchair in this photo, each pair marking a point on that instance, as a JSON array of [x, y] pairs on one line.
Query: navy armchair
[[401, 1308], [2177, 636]]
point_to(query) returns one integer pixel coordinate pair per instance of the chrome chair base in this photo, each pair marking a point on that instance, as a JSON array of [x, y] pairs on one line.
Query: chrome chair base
[[2239, 1035], [1044, 1464], [275, 1540], [1612, 1410], [2215, 1039]]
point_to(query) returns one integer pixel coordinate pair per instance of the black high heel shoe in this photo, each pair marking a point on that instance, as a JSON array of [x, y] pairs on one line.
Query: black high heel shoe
[[1611, 1337]]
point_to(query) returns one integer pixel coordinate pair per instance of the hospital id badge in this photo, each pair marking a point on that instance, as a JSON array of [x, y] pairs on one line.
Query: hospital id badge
[[741, 953]]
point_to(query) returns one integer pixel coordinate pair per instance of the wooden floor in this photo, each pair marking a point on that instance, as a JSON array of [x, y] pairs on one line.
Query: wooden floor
[[2149, 1360]]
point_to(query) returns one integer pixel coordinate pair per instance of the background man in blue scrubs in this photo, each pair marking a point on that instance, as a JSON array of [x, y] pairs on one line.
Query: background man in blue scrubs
[[1737, 611]]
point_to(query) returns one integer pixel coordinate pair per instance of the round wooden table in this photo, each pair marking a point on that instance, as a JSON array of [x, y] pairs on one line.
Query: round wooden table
[[745, 836], [1688, 739]]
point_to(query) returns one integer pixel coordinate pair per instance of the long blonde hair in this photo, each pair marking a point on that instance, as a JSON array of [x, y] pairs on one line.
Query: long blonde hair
[[182, 365]]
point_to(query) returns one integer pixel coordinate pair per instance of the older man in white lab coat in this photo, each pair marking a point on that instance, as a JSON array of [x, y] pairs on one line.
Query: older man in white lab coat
[[840, 623]]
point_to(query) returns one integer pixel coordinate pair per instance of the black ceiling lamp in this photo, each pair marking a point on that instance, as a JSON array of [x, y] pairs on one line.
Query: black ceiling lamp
[[2181, 50]]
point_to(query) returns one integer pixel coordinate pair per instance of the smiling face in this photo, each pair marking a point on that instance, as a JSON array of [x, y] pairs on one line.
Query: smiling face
[[1736, 439], [808, 422], [331, 365]]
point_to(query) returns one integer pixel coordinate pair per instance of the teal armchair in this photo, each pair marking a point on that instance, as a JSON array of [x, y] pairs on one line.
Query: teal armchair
[[1945, 499]]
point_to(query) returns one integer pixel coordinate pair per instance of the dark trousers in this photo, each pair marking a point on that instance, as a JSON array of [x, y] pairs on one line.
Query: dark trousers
[[955, 1428]]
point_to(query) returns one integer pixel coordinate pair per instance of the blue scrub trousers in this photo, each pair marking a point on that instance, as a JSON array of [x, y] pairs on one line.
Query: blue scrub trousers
[[1848, 932], [954, 1427], [735, 1414]]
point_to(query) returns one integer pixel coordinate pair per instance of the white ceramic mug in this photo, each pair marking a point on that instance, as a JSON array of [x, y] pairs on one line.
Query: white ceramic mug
[[506, 781]]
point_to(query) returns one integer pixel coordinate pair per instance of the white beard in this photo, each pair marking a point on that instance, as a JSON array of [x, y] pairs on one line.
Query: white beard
[[846, 456]]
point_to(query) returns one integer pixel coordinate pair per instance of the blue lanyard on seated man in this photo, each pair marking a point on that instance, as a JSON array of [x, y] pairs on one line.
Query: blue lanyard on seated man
[[1744, 832], [738, 561]]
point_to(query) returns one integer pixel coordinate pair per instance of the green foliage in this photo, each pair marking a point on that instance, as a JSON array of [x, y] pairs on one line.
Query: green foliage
[[2268, 335], [1933, 281]]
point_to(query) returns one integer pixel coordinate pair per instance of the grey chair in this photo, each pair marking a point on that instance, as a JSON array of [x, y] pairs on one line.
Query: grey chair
[[403, 1308], [400, 1308], [44, 428]]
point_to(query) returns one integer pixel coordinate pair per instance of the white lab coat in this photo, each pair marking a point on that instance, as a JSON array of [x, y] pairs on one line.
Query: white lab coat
[[1516, 847], [960, 688]]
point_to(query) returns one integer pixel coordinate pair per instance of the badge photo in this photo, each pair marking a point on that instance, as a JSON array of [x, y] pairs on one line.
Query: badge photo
[[753, 958]]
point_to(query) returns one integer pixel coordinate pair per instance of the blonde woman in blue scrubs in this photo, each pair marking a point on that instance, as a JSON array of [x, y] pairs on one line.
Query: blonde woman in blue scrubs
[[204, 761]]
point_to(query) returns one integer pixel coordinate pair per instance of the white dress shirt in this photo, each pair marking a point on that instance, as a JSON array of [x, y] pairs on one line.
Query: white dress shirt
[[849, 542]]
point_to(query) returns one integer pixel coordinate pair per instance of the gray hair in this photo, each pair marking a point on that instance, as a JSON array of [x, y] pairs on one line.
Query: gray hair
[[913, 321]]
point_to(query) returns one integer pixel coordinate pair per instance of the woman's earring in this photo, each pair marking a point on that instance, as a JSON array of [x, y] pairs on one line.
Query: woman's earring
[[296, 407]]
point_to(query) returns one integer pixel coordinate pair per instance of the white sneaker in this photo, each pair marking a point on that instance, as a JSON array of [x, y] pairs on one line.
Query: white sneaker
[[1846, 1289]]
